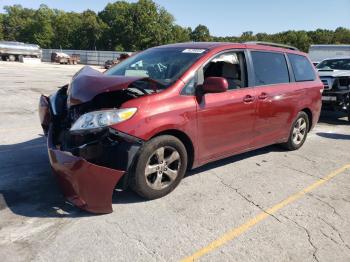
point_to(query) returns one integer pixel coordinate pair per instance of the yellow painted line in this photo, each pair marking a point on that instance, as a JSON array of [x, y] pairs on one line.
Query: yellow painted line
[[234, 233]]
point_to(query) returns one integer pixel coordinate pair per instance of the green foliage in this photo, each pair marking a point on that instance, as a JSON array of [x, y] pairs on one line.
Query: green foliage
[[132, 26], [89, 30], [17, 22], [201, 34], [40, 28], [135, 26], [2, 26]]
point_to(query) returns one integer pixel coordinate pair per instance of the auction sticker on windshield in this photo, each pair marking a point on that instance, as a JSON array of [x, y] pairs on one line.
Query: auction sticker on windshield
[[193, 51]]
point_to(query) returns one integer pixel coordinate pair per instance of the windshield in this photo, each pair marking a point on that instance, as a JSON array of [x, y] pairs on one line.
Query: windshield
[[334, 64], [164, 65]]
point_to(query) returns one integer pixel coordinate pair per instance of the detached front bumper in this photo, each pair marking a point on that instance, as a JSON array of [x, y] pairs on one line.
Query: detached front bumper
[[85, 184]]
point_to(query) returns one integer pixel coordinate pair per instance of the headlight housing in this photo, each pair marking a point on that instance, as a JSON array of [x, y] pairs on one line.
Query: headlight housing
[[103, 118]]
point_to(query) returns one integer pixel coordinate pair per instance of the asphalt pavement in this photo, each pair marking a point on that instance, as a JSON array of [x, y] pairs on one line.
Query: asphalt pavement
[[265, 205]]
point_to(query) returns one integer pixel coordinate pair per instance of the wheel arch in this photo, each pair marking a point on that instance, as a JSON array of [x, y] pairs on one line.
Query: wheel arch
[[186, 141], [309, 114]]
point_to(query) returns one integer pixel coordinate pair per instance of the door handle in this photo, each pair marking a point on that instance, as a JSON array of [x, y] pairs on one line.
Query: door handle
[[248, 99], [262, 96]]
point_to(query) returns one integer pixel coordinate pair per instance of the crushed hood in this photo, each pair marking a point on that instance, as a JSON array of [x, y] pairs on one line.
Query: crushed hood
[[333, 73], [88, 82]]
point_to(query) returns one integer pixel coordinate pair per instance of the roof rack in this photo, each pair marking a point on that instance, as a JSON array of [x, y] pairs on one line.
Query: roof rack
[[272, 44]]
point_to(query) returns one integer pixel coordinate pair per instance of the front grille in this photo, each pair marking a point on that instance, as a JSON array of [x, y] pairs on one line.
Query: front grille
[[327, 83], [344, 82]]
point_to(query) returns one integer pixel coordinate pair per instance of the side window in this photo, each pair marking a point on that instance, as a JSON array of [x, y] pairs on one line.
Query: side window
[[190, 87], [230, 65], [302, 69], [270, 68]]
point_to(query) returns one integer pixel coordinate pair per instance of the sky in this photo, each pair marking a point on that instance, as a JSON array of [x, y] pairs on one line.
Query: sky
[[231, 17]]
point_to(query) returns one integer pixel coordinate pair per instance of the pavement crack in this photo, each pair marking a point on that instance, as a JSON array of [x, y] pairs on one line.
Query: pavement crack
[[140, 242], [305, 157], [329, 237], [326, 203], [302, 172], [245, 197], [345, 200], [315, 249], [335, 230]]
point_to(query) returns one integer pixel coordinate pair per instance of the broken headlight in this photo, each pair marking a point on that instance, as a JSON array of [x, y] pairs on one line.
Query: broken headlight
[[103, 118]]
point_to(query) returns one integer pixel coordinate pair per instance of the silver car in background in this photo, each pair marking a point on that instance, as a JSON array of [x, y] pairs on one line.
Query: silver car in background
[[335, 75]]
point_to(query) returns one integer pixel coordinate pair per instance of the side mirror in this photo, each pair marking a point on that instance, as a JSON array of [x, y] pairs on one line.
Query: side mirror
[[215, 85]]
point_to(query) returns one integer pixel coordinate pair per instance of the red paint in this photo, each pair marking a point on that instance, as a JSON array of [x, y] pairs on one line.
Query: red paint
[[217, 124], [223, 124], [87, 186], [215, 85], [88, 83]]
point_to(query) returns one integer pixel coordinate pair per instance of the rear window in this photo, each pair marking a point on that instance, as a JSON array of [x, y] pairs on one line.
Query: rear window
[[302, 68], [270, 68]]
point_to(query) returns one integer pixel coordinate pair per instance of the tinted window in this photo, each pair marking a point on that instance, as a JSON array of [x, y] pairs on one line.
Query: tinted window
[[340, 64], [302, 68], [270, 68]]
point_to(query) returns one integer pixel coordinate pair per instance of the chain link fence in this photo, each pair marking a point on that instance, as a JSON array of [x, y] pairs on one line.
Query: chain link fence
[[87, 57]]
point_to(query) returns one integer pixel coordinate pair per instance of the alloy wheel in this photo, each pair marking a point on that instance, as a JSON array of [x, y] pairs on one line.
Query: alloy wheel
[[162, 167], [299, 131]]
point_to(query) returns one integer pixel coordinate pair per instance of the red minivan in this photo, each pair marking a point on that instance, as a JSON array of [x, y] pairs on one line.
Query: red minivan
[[168, 109]]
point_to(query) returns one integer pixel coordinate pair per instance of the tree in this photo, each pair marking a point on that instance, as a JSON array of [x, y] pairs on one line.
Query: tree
[[201, 34], [135, 26], [132, 26], [321, 36], [180, 34], [341, 36], [2, 26], [40, 28], [248, 36], [65, 27], [89, 30], [16, 23]]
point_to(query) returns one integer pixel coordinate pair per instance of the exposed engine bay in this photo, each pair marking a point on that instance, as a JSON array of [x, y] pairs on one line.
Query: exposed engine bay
[[99, 146]]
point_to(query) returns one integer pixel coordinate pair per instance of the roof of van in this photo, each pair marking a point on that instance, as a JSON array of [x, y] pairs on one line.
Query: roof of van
[[214, 45]]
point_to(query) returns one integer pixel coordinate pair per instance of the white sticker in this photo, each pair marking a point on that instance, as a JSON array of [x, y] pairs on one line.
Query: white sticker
[[193, 51]]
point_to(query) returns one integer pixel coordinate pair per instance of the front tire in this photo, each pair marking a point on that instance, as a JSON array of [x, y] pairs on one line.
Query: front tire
[[298, 132], [160, 166]]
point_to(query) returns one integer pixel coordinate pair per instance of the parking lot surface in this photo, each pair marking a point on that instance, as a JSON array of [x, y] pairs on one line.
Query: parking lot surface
[[266, 205]]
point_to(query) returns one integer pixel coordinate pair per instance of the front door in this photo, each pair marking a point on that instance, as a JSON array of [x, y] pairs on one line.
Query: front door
[[225, 120]]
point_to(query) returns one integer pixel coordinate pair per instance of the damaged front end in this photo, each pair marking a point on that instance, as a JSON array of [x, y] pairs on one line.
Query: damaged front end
[[89, 163]]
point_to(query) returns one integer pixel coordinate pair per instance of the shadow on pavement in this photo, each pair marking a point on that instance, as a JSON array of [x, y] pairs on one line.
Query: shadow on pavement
[[28, 189], [334, 136], [334, 118]]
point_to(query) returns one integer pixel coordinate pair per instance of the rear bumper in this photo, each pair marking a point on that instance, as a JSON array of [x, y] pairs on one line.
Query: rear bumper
[[84, 184]]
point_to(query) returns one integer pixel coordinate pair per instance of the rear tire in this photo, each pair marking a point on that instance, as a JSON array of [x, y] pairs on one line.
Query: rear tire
[[161, 164], [298, 132]]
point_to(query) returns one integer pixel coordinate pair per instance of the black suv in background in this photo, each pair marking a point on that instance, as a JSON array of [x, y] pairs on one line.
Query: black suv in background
[[335, 75]]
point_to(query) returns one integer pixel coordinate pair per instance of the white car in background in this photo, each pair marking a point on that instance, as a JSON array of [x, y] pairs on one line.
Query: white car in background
[[335, 75]]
